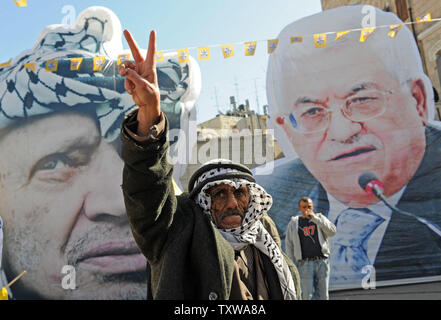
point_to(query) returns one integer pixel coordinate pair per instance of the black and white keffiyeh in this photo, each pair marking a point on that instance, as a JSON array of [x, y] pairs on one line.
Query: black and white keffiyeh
[[252, 230], [29, 88]]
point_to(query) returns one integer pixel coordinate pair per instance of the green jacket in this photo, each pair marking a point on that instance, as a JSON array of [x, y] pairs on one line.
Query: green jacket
[[189, 258]]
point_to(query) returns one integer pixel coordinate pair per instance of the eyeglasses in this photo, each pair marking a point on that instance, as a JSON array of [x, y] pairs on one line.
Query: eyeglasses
[[363, 106]]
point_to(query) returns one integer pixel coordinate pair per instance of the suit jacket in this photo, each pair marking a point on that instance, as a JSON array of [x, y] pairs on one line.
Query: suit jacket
[[408, 249]]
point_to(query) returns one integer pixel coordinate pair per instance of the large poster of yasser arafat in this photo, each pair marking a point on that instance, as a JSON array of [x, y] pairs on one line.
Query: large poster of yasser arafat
[[61, 108]]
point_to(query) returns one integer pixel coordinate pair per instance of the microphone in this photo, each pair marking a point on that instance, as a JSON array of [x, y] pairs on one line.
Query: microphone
[[369, 182]]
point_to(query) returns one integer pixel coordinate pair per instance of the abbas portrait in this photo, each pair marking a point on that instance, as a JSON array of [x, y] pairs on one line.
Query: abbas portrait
[[358, 105]]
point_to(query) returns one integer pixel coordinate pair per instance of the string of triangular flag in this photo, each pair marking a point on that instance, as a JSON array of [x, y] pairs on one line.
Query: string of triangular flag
[[320, 41], [204, 52]]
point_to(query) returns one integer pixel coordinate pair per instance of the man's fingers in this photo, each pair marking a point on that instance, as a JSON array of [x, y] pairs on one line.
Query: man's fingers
[[136, 52], [127, 64], [124, 66], [150, 57], [136, 79], [151, 51], [129, 86]]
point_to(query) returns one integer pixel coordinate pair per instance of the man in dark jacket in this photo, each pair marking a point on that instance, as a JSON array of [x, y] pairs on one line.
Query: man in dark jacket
[[210, 244]]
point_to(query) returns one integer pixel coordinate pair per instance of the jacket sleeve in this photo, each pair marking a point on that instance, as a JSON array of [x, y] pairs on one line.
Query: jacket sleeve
[[289, 241], [148, 189], [327, 227]]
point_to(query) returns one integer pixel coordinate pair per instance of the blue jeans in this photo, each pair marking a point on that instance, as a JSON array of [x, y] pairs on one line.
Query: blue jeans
[[314, 279]]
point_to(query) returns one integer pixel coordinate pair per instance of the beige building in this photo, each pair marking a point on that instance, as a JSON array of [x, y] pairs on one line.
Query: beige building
[[224, 124], [428, 35], [243, 139]]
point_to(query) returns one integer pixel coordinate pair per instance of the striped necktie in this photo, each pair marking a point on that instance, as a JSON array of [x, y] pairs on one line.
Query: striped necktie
[[349, 246]]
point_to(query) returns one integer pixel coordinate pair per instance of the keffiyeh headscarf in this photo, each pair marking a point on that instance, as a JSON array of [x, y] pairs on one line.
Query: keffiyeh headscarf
[[251, 231], [42, 81]]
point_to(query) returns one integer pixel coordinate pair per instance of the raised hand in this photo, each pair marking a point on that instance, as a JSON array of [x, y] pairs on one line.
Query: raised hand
[[310, 214], [142, 83]]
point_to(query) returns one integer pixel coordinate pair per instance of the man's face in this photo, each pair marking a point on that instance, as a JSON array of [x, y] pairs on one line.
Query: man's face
[[228, 205], [390, 145], [305, 206], [61, 204]]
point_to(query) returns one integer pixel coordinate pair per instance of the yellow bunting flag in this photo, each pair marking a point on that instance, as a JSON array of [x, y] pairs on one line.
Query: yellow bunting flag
[[6, 64], [75, 64], [183, 55], [122, 58], [296, 39], [425, 18], [320, 40], [365, 33], [250, 48], [52, 65], [272, 45], [98, 63], [21, 3], [341, 34], [394, 29], [227, 50], [159, 56], [4, 294], [30, 65], [204, 53]]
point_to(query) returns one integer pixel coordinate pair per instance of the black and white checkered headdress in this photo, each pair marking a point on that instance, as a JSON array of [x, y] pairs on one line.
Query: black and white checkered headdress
[[28, 88], [251, 231]]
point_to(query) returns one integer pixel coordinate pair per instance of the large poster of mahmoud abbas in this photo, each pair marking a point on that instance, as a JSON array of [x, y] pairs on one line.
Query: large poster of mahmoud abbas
[[347, 114], [61, 106]]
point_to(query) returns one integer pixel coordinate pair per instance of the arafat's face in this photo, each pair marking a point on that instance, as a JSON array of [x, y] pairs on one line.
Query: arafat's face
[[61, 205], [390, 145]]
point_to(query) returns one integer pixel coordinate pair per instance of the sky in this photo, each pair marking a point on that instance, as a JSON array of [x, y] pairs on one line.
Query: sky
[[179, 24]]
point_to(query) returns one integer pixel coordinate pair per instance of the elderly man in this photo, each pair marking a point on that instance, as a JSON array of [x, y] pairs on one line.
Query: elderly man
[[60, 168], [210, 244], [346, 109]]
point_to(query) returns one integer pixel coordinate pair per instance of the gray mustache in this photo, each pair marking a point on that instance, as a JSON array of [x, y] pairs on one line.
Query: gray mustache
[[232, 213], [335, 148]]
